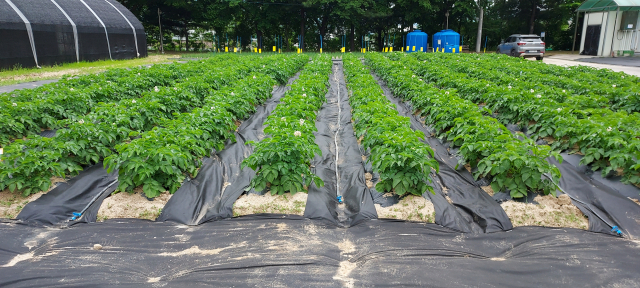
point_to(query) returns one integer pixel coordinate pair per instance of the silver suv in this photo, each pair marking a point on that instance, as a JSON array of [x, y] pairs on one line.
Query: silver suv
[[522, 45]]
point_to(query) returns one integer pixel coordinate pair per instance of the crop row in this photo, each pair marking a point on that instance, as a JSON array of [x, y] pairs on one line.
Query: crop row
[[396, 152], [26, 112], [620, 91], [282, 160], [28, 165], [610, 142], [488, 81], [483, 70], [513, 163]]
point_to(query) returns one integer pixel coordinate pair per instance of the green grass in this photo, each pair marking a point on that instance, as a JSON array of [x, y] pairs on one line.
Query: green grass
[[21, 75]]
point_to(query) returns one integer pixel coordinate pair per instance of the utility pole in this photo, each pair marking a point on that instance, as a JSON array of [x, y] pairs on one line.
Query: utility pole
[[480, 18], [160, 24]]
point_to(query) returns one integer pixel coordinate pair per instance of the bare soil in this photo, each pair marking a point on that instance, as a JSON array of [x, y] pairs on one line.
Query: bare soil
[[488, 189], [132, 205], [413, 208], [281, 204], [551, 212], [11, 203], [367, 178]]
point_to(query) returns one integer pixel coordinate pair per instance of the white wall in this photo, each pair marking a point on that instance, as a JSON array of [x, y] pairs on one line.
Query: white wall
[[611, 39]]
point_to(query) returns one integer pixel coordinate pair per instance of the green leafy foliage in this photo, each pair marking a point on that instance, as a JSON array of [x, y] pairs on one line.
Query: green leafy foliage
[[576, 119], [397, 154], [282, 160], [87, 139], [162, 158], [513, 162], [27, 111]]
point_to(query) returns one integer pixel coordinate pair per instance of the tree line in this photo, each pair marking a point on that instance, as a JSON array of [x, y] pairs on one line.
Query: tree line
[[379, 22]]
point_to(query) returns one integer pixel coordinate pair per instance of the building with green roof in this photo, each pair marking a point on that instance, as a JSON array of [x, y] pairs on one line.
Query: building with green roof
[[610, 27]]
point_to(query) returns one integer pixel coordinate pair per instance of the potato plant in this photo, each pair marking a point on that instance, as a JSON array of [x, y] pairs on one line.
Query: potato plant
[[513, 163], [94, 136], [396, 152], [27, 111], [610, 141], [282, 160], [617, 90], [162, 158]]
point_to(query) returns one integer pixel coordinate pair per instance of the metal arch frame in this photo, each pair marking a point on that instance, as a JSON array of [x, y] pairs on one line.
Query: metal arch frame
[[101, 23], [29, 30], [135, 37], [75, 30]]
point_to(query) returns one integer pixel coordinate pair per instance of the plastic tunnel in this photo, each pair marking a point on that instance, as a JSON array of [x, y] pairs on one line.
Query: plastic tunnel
[[36, 32]]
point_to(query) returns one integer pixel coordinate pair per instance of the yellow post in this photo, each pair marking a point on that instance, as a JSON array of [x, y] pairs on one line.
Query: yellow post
[[280, 50], [407, 48], [454, 50], [235, 49], [402, 49], [320, 50], [274, 48], [460, 49], [226, 49], [260, 51], [414, 48], [421, 49], [390, 49], [255, 50]]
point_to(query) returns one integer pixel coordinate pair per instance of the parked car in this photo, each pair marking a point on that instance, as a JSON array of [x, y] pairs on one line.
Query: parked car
[[522, 45]]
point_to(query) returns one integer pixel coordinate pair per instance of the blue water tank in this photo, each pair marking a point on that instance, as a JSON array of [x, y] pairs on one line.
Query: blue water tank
[[447, 41], [417, 41]]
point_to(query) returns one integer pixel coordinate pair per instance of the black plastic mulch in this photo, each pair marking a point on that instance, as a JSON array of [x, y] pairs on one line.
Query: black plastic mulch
[[290, 251]]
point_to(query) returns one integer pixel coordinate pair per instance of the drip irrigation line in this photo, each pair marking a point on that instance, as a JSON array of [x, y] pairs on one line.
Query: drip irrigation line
[[77, 215], [335, 135], [614, 228]]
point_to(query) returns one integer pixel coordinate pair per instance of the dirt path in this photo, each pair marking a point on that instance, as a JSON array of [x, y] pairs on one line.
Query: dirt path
[[132, 205], [550, 212], [412, 208], [280, 204]]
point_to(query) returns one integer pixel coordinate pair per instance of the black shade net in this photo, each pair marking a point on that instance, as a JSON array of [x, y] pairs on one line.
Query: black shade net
[[54, 40]]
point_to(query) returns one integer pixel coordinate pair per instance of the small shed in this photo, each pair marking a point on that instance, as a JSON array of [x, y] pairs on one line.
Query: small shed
[[610, 27]]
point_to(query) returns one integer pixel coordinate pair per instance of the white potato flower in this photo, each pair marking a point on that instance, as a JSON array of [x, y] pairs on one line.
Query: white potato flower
[[297, 133], [14, 104], [81, 121], [301, 121], [156, 89], [538, 96]]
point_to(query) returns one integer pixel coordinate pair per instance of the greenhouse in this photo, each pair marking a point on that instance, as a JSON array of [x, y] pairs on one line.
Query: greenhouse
[[35, 33]]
